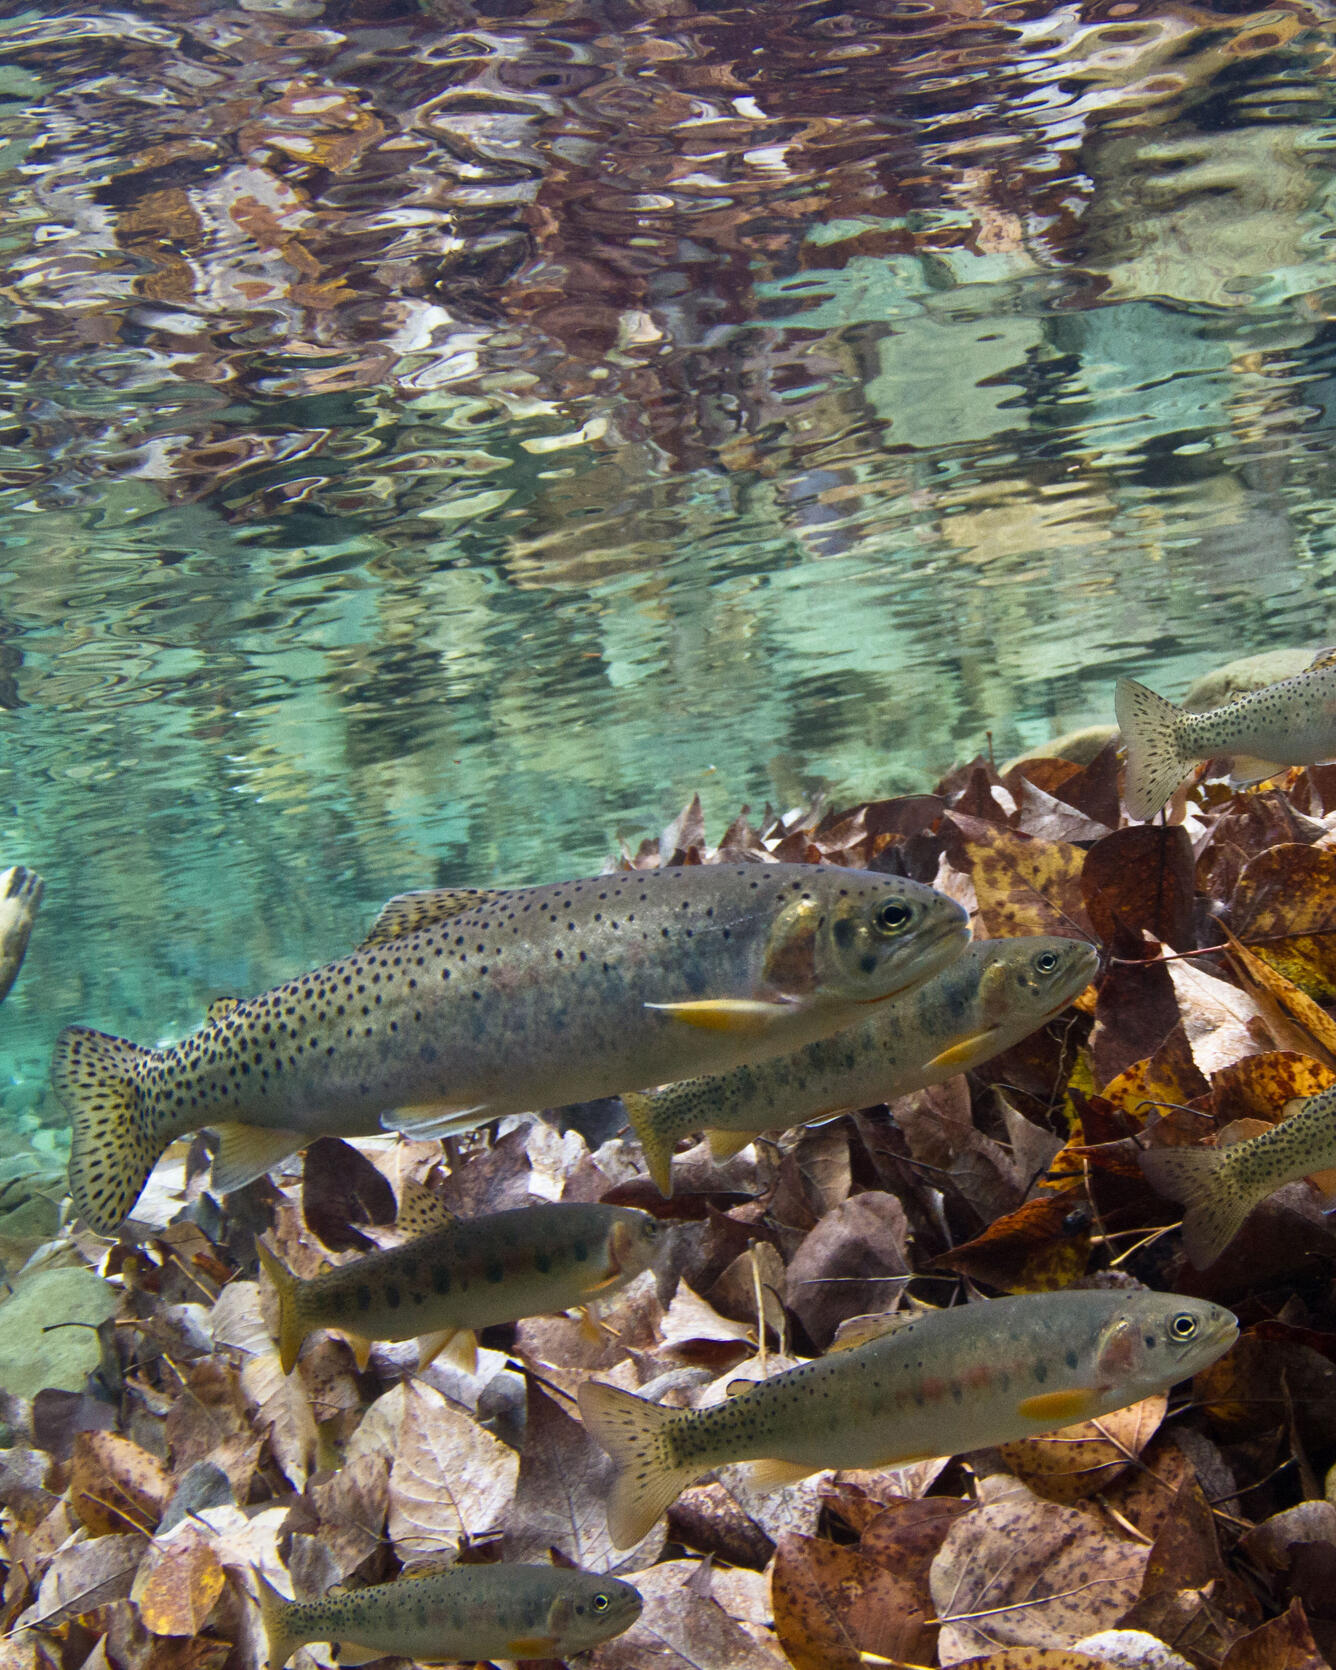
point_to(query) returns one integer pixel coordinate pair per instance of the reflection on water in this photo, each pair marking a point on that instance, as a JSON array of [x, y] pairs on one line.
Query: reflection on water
[[440, 438]]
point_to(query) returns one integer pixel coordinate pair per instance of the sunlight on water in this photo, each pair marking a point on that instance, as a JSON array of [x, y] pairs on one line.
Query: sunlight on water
[[439, 440]]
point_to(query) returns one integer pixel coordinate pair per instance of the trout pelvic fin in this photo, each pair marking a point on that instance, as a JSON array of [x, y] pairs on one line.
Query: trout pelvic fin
[[291, 1333], [658, 1149], [752, 1016], [458, 1346], [964, 1050], [433, 1120], [115, 1146], [724, 1144], [1155, 767], [246, 1152], [635, 1434], [1213, 1213], [275, 1608]]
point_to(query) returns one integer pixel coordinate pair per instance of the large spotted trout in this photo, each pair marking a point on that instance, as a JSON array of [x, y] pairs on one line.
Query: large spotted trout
[[943, 1382], [464, 1005], [993, 995]]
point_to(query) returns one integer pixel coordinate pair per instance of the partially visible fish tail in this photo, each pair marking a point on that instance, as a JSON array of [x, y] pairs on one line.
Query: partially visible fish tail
[[649, 1477], [275, 1614], [1214, 1207], [658, 1146], [292, 1331], [117, 1138], [1155, 766]]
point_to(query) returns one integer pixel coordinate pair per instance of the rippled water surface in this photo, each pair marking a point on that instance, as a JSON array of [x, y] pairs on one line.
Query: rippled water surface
[[440, 438]]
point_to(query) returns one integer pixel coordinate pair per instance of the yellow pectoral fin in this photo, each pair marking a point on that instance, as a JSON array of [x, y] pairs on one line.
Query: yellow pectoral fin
[[727, 1014], [964, 1050], [1061, 1407], [774, 1475], [533, 1646], [724, 1144]]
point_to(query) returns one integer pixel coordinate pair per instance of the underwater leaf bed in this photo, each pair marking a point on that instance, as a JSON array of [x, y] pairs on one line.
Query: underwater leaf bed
[[1192, 1529]]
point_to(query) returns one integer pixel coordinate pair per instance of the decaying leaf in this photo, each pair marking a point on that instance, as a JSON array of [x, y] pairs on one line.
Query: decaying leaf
[[1019, 1571], [1088, 1457], [1024, 885], [1284, 910], [833, 1604], [178, 1585], [115, 1485]]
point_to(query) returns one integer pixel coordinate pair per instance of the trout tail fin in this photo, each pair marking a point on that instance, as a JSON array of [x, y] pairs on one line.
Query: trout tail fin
[[276, 1614], [292, 1331], [636, 1435], [1214, 1208], [658, 1146], [116, 1139], [1155, 767]]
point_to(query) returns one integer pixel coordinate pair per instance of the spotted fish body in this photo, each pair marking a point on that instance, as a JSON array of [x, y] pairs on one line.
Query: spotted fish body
[[463, 1612], [464, 1006], [1220, 1186], [1289, 723], [20, 894], [470, 1274], [993, 995], [943, 1382]]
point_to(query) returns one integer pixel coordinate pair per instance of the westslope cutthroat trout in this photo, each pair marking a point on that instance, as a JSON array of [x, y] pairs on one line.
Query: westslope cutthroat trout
[[1220, 1186], [444, 1284], [943, 1382], [993, 995], [20, 894], [464, 1612], [1289, 723], [465, 1005]]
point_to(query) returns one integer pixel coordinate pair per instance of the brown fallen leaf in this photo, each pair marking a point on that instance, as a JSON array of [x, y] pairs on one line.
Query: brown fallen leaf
[[1024, 885], [115, 1485], [178, 1585], [341, 1189], [1284, 909], [279, 1406], [1283, 1643], [560, 1498], [1019, 1571], [1041, 1245], [1091, 1456], [682, 1628], [86, 1576], [851, 1264], [1168, 1075], [1141, 880], [1292, 1017], [833, 1604]]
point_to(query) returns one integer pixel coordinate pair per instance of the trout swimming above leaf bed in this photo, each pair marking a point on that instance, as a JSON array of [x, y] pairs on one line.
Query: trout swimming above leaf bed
[[1220, 1186], [464, 1612], [1292, 722], [993, 995], [943, 1382], [465, 1005], [445, 1284]]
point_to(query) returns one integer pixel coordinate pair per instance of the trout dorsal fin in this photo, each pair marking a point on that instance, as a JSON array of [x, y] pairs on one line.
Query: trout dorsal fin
[[220, 1008], [858, 1330], [409, 913], [421, 1211], [1324, 658]]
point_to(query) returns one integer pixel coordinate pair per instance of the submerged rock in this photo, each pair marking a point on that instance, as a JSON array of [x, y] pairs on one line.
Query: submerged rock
[[35, 1350], [1249, 672]]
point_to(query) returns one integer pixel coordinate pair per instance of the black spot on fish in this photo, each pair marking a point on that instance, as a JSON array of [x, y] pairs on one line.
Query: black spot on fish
[[495, 1271], [392, 1296], [440, 1278], [1041, 1372], [580, 1251], [364, 1298], [542, 1262]]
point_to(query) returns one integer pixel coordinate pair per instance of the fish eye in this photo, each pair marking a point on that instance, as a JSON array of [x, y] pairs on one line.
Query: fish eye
[[1183, 1326], [1046, 961], [894, 916], [601, 1602]]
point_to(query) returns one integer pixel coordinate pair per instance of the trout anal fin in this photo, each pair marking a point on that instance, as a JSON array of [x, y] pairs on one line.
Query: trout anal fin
[[433, 1120], [775, 1475], [724, 1144], [246, 1152], [457, 1345]]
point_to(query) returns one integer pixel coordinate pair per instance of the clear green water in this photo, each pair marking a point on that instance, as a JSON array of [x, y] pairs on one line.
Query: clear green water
[[439, 440]]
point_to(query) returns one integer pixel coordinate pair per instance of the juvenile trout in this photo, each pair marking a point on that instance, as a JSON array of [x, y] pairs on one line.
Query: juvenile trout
[[942, 1382], [993, 995], [463, 1612], [1220, 1186], [466, 1275], [464, 1005], [1289, 723], [20, 894]]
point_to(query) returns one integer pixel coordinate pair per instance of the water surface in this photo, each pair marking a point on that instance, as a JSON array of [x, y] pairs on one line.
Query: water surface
[[438, 440]]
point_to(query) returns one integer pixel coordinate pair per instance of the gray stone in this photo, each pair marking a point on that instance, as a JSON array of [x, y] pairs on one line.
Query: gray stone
[[33, 1352], [1249, 672], [1078, 746]]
